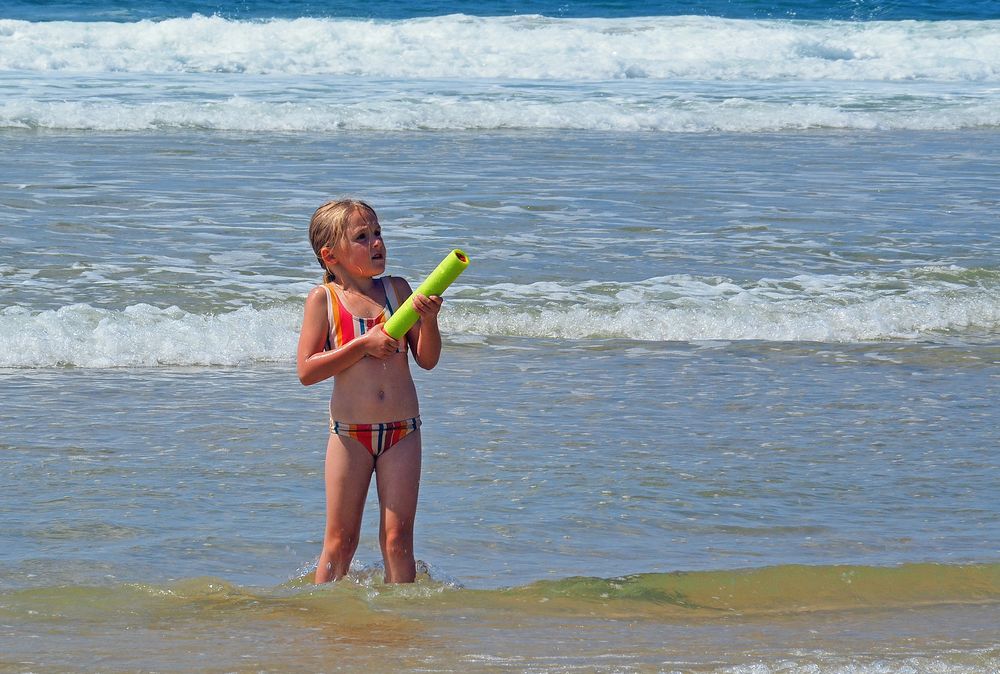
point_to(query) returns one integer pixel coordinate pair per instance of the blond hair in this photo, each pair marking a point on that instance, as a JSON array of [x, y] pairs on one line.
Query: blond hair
[[328, 225]]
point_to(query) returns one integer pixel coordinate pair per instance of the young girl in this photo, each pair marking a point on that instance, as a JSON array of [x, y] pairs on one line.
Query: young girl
[[374, 414]]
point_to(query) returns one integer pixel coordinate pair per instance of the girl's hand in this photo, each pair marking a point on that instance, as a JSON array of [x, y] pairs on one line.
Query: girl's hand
[[427, 307], [378, 343]]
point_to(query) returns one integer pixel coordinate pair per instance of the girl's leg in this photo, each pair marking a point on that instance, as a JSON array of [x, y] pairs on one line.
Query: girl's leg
[[397, 477], [348, 474]]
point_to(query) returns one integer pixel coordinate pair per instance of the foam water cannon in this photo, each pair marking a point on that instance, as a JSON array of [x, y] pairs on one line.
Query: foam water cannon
[[435, 284]]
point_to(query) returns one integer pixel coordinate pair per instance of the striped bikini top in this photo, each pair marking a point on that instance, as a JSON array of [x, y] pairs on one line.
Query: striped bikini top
[[345, 326]]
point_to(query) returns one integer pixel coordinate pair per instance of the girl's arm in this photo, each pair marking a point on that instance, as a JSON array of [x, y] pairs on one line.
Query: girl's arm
[[313, 363], [424, 337]]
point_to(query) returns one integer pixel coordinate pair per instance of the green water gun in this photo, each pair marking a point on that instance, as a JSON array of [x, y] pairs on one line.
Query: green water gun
[[451, 266]]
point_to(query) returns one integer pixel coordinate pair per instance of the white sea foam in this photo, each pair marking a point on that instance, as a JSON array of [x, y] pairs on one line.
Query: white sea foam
[[919, 304], [523, 47], [144, 336], [433, 112], [909, 305], [973, 661], [672, 74], [907, 666]]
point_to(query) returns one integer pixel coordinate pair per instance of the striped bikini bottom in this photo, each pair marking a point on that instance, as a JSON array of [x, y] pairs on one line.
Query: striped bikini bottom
[[376, 438]]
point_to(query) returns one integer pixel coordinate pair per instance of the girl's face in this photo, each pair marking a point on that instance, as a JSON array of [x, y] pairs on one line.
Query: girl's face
[[362, 252]]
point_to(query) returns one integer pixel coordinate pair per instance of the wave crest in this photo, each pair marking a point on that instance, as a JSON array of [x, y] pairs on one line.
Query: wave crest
[[524, 47], [921, 304], [667, 113], [142, 335], [786, 589]]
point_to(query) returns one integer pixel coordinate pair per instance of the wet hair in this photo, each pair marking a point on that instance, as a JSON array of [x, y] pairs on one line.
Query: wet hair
[[328, 224]]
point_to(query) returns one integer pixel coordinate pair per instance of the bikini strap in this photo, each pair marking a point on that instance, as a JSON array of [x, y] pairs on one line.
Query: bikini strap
[[391, 299], [331, 300], [332, 316], [392, 303]]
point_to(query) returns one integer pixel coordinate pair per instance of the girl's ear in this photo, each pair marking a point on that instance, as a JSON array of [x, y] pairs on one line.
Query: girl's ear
[[328, 256]]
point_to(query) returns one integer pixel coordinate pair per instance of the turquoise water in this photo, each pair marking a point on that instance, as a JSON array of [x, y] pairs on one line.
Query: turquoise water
[[849, 10]]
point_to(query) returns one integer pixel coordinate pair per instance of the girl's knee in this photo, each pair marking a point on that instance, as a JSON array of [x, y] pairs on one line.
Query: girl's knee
[[339, 545], [398, 542]]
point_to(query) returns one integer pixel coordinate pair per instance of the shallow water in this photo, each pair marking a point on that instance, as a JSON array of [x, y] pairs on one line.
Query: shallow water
[[164, 465], [672, 457]]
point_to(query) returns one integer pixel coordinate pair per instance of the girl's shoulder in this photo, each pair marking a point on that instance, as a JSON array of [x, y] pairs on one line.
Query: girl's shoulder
[[317, 297], [318, 291]]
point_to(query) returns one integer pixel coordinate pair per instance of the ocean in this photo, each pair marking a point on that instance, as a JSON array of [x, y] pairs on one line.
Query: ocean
[[718, 390]]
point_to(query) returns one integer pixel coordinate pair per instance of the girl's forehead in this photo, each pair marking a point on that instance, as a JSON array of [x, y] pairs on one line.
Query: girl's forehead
[[362, 218]]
